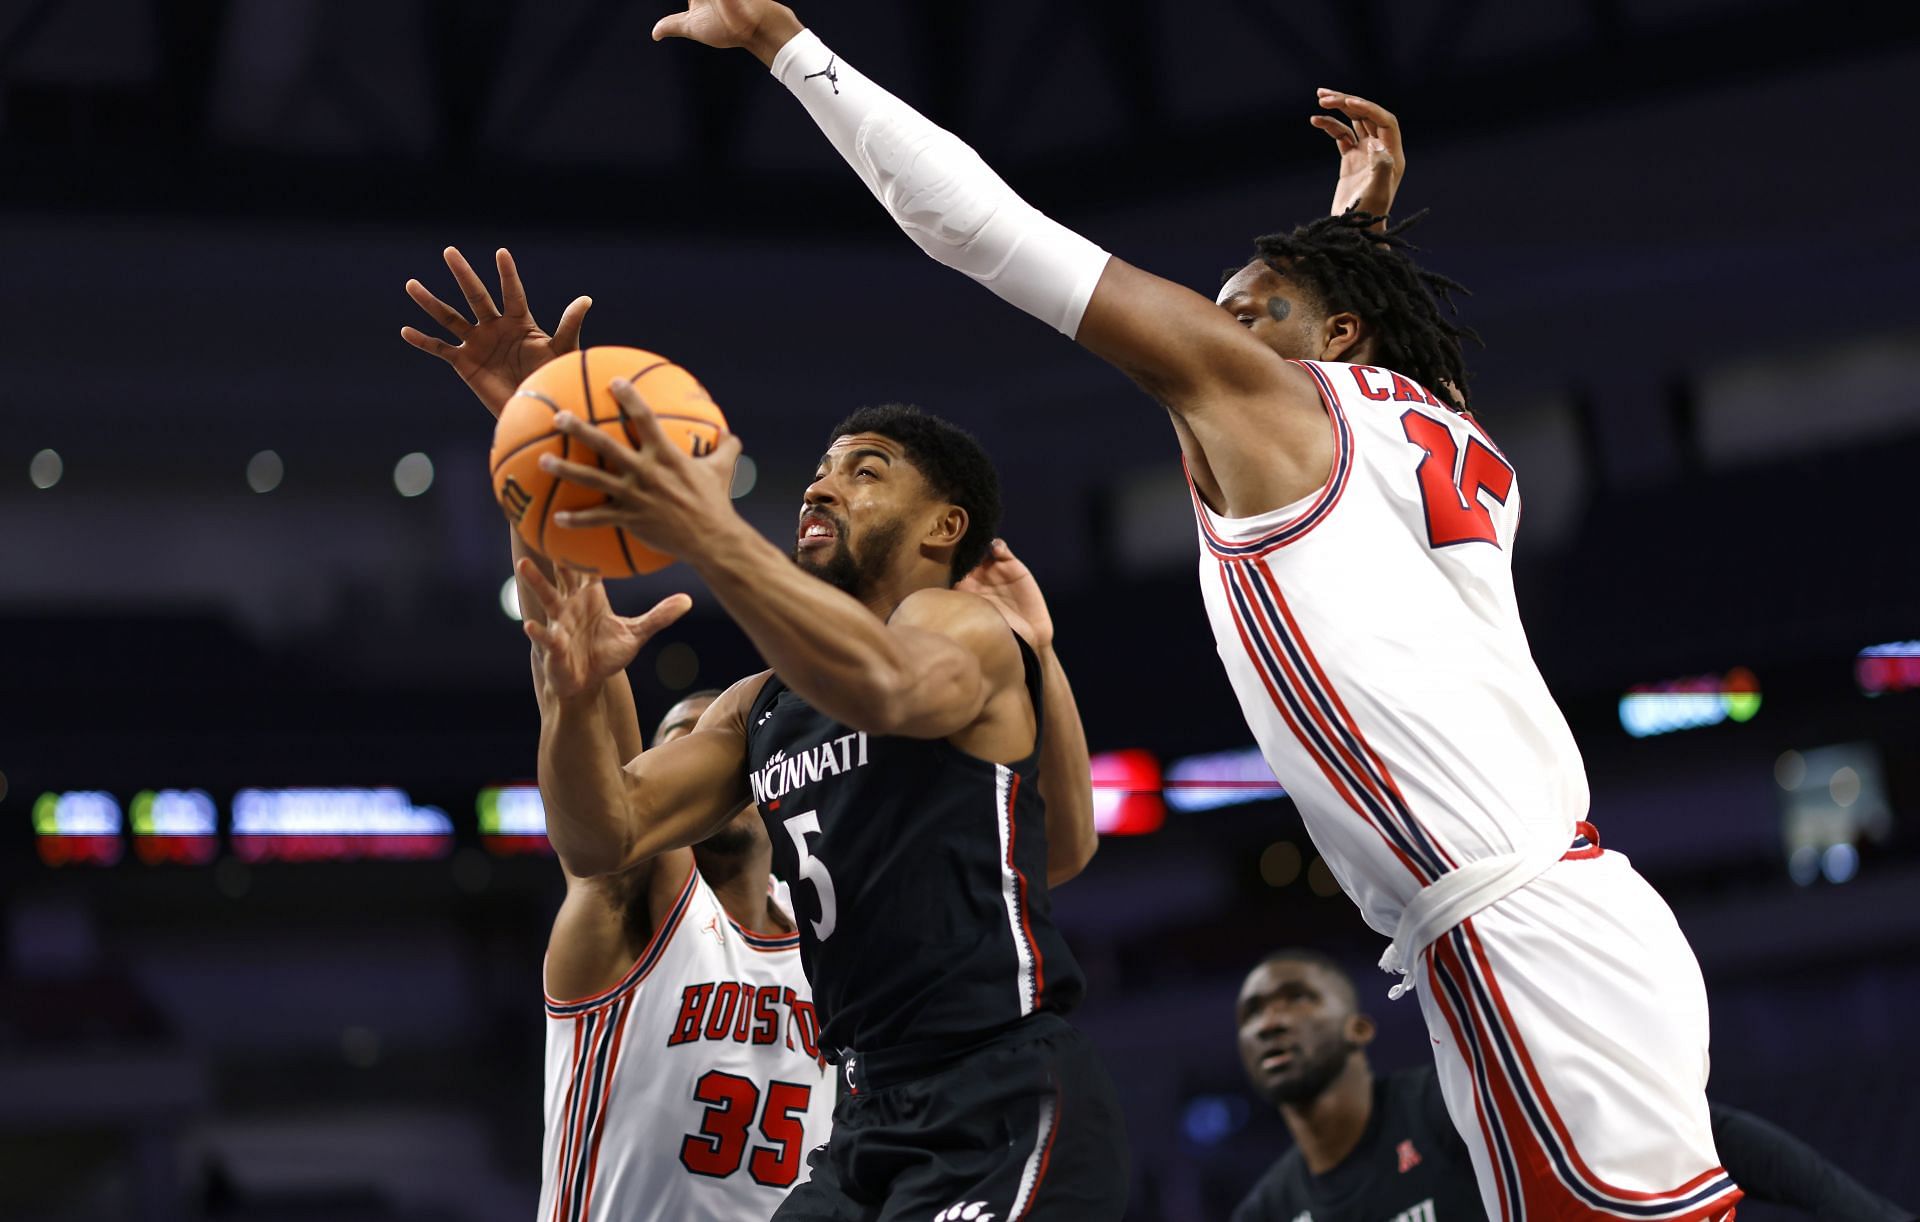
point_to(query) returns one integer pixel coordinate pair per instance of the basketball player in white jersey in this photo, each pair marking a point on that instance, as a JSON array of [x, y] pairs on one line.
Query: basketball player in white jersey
[[1357, 527], [684, 1081]]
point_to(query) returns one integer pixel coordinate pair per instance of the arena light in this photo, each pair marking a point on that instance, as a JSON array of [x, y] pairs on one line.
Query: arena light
[[80, 827], [413, 474], [1648, 709], [1126, 793], [179, 826], [1221, 778], [265, 471], [1893, 667], [513, 821], [1833, 803], [46, 469], [337, 825]]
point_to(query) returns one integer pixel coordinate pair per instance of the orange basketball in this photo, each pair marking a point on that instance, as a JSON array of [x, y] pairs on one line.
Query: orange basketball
[[577, 383]]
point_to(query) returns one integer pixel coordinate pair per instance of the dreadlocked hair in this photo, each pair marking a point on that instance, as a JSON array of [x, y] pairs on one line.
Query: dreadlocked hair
[[1349, 266]]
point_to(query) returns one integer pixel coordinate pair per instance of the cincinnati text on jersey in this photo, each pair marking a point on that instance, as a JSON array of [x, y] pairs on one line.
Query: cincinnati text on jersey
[[785, 772]]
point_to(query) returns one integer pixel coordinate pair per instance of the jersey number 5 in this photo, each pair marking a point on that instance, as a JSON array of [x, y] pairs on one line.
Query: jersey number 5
[[720, 1145], [813, 870], [1451, 485]]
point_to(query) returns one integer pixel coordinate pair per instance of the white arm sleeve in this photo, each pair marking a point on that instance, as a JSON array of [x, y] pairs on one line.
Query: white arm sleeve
[[941, 193]]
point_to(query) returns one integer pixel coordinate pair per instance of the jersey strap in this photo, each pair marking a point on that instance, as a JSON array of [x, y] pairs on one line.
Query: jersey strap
[[1295, 526], [1030, 666], [656, 947]]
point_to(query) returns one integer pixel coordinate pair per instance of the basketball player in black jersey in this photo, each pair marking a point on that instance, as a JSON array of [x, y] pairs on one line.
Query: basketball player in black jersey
[[899, 750], [607, 915], [1382, 1149]]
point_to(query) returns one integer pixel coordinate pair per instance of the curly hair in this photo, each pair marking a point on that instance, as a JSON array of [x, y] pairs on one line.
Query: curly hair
[[953, 463], [1349, 266]]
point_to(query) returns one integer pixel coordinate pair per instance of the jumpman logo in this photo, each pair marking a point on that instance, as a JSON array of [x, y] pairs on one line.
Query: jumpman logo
[[833, 77]]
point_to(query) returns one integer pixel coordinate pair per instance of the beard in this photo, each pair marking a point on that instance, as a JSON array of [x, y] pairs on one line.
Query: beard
[[734, 839], [1312, 1077], [852, 571]]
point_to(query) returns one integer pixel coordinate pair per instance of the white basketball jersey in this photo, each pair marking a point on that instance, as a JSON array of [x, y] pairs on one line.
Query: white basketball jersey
[[1371, 635], [693, 1090]]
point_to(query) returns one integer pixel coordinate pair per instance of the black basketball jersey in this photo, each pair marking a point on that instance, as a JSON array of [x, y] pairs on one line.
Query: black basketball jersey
[[919, 878], [1409, 1166]]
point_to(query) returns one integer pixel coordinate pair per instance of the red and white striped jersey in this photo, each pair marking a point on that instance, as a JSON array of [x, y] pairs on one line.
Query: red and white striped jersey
[[1371, 634], [693, 1090]]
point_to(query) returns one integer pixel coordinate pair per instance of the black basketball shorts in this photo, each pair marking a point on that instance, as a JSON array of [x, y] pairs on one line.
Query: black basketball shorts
[[1026, 1126]]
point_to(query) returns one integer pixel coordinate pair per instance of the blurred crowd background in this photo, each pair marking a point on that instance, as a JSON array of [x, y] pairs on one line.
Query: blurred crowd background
[[250, 552]]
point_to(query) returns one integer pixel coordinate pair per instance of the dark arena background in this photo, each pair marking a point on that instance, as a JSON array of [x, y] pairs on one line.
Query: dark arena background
[[272, 885]]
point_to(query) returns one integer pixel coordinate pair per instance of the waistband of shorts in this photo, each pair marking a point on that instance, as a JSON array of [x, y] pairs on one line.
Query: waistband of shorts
[[864, 1072], [1465, 890]]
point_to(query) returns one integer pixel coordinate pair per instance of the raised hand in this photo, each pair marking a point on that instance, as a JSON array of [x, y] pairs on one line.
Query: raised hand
[[665, 497], [761, 26], [1372, 160], [500, 345], [583, 643], [1003, 580]]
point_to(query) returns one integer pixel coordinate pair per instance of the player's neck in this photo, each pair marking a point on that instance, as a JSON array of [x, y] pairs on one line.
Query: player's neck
[[887, 595], [739, 882], [1328, 1126]]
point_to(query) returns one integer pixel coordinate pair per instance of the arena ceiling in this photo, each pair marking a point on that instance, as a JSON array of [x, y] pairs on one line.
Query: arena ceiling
[[564, 110]]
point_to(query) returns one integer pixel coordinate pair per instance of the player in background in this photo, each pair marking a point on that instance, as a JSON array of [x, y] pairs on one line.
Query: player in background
[[1381, 1149], [1356, 527], [684, 1081]]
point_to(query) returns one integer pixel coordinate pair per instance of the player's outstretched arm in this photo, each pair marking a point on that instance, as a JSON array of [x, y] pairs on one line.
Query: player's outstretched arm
[[1233, 391], [496, 349], [1066, 781], [1772, 1165], [606, 813]]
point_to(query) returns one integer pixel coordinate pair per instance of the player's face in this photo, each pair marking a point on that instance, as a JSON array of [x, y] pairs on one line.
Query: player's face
[[1297, 1030], [864, 495], [1276, 310]]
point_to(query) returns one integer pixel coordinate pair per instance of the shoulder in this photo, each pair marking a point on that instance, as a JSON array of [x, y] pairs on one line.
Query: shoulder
[[729, 710], [606, 924], [960, 614]]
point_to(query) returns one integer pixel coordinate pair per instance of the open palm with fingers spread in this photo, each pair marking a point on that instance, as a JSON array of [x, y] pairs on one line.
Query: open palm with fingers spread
[[500, 345], [583, 643], [1004, 580], [1372, 158]]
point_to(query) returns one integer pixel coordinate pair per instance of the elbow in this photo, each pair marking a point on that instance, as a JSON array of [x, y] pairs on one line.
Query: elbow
[[595, 848], [881, 700], [588, 861], [1073, 859], [593, 855]]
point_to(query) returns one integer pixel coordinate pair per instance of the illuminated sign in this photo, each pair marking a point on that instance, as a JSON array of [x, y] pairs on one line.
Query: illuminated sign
[[1126, 793], [513, 822], [174, 825], [1893, 667], [337, 825], [1688, 704], [77, 828], [1223, 778]]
